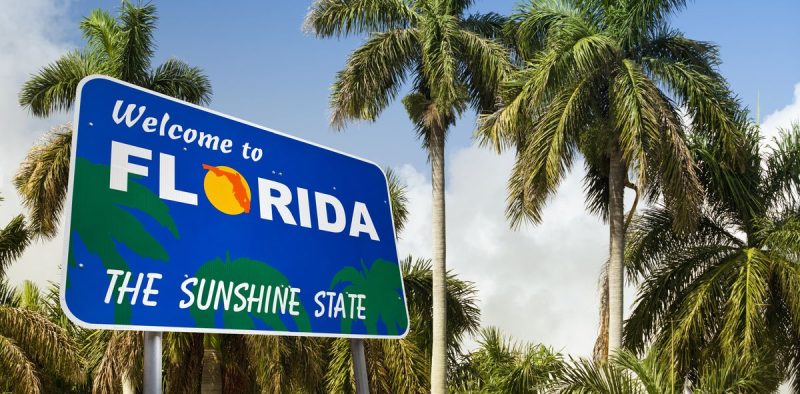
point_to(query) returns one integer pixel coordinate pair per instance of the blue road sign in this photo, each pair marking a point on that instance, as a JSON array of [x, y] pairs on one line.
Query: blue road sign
[[179, 218]]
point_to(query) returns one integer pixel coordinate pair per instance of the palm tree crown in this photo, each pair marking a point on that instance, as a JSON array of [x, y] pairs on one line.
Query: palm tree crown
[[729, 287], [450, 58], [120, 47]]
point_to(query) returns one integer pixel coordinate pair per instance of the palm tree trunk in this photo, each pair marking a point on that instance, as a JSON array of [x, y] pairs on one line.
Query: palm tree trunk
[[600, 352], [616, 207], [439, 351], [212, 373], [127, 386]]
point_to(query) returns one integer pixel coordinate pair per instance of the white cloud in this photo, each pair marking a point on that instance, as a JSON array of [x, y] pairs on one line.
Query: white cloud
[[537, 284], [30, 34], [782, 118]]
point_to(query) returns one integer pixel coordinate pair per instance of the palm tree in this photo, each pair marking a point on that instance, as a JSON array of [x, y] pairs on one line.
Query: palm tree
[[34, 352], [606, 79], [626, 374], [120, 47], [502, 366], [451, 63], [729, 287]]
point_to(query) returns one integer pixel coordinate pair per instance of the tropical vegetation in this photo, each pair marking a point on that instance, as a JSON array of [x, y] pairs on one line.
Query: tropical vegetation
[[608, 80], [36, 355], [452, 61], [728, 289], [714, 253]]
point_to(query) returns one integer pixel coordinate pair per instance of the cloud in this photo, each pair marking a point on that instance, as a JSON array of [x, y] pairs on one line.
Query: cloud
[[782, 118], [537, 284], [31, 34]]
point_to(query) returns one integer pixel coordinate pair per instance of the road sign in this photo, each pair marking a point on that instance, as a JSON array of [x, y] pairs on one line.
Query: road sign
[[180, 218]]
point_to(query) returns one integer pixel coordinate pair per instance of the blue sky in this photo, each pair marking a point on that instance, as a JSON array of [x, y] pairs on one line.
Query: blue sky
[[537, 284]]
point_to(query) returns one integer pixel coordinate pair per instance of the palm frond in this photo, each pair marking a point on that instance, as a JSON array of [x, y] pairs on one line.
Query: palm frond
[[731, 188], [490, 25], [440, 61], [672, 45], [486, 64], [634, 21], [19, 372], [407, 365], [535, 370], [335, 18], [122, 360], [102, 33], [42, 180], [183, 359], [532, 22], [177, 79], [137, 23], [372, 76], [783, 168], [705, 96], [53, 87], [28, 296], [47, 344], [463, 314], [287, 363], [14, 238], [741, 332], [398, 194], [584, 376], [548, 154]]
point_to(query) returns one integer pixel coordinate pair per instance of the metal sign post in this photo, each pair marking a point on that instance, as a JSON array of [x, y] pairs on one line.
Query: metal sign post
[[359, 366], [152, 362]]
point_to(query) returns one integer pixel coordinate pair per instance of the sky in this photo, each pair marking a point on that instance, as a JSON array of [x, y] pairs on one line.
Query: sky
[[538, 284]]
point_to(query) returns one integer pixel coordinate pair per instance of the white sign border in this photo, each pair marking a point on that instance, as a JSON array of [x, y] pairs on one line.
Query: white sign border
[[118, 327]]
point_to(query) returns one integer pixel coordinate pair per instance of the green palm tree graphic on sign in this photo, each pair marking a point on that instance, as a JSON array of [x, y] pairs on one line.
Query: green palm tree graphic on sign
[[103, 219], [383, 302], [243, 270]]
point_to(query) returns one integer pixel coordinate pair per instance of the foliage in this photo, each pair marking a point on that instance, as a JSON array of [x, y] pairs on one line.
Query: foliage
[[727, 289], [398, 195], [463, 314], [403, 365], [600, 76], [450, 61], [120, 47], [501, 366], [36, 355], [450, 58], [624, 373]]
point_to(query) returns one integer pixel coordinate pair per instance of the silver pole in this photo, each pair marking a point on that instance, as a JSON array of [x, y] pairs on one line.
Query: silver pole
[[359, 366], [152, 362]]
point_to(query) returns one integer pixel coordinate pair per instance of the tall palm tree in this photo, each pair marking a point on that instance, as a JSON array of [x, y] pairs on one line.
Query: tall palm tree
[[34, 352], [452, 62], [607, 79], [121, 47], [729, 287]]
